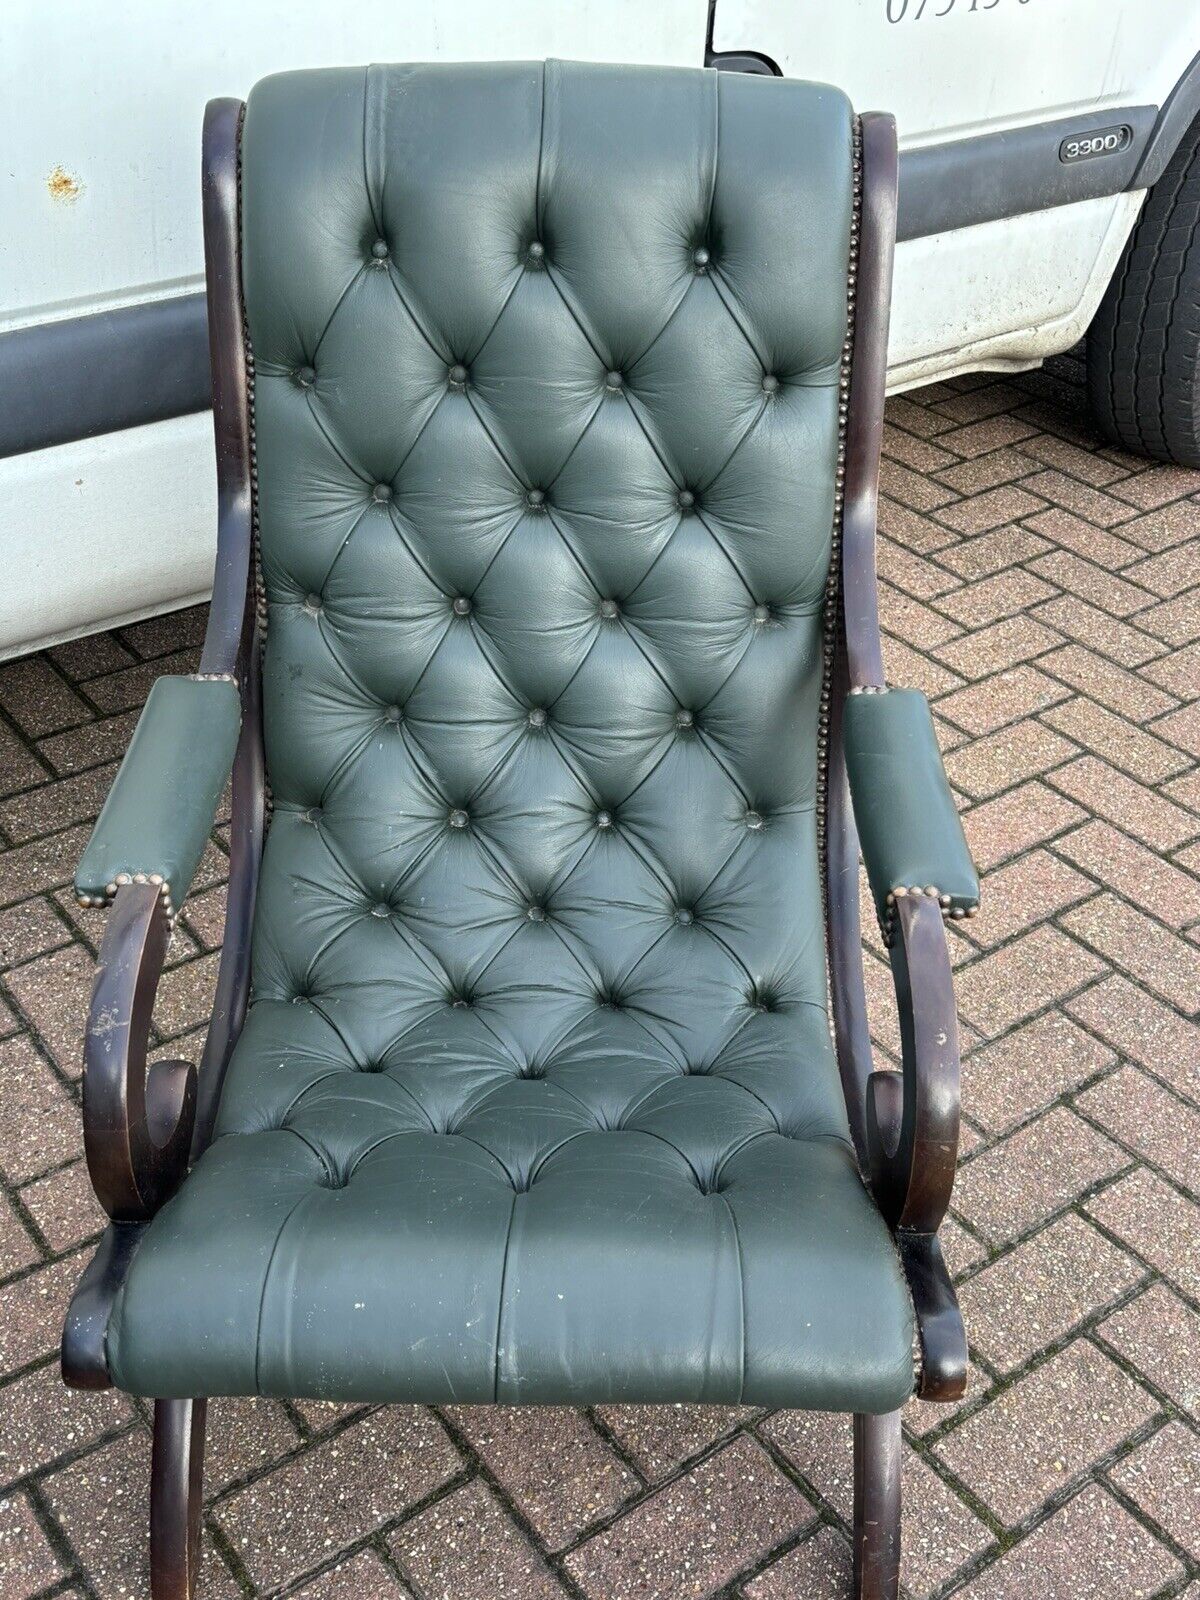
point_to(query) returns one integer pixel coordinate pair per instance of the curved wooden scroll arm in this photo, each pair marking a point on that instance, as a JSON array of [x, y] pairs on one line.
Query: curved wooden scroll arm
[[137, 1121], [912, 1138]]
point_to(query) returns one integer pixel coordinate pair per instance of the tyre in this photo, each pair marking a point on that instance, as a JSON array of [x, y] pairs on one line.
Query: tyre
[[1143, 348]]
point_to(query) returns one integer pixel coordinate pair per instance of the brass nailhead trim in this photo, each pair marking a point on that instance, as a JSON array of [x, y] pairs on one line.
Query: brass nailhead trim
[[887, 923], [833, 581], [260, 590], [97, 901]]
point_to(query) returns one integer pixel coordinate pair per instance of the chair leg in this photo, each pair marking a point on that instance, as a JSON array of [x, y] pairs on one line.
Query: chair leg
[[176, 1472], [877, 1506]]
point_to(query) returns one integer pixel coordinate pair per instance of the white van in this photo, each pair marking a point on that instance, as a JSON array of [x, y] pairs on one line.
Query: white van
[[1049, 184]]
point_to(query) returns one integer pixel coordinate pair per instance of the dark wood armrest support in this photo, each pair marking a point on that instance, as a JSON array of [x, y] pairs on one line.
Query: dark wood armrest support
[[912, 1138], [137, 1122]]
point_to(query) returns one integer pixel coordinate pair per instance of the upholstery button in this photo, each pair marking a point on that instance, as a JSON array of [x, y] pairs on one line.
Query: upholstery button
[[613, 380], [381, 910], [536, 498], [458, 818], [462, 606], [770, 383], [382, 492], [686, 499], [458, 374], [537, 252], [609, 609], [754, 820], [537, 718], [700, 258], [305, 377], [684, 719], [604, 819], [684, 917], [762, 614], [392, 714], [313, 815], [312, 603], [459, 1002], [379, 251], [536, 913]]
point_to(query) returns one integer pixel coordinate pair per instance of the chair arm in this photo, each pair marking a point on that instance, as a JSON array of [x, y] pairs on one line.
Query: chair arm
[[912, 840], [912, 1121], [137, 1119], [160, 810]]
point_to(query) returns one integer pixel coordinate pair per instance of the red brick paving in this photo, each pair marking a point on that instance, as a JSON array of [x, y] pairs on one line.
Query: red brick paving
[[1043, 589]]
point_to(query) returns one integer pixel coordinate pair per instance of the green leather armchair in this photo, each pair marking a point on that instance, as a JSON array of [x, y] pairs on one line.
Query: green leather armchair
[[548, 403]]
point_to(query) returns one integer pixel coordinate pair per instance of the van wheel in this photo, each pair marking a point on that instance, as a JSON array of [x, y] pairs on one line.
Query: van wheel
[[1143, 348]]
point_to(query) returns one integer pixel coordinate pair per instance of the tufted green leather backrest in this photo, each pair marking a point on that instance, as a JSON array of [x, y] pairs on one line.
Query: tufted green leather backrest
[[547, 369]]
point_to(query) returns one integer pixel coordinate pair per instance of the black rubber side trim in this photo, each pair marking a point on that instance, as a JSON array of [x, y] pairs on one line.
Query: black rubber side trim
[[68, 380], [91, 375], [968, 181], [1180, 110]]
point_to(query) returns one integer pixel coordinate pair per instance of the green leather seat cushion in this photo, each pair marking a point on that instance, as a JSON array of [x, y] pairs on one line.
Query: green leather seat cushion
[[536, 1098], [449, 1227]]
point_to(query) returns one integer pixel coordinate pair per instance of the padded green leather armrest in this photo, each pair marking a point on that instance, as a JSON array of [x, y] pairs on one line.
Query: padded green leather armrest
[[908, 826], [160, 809]]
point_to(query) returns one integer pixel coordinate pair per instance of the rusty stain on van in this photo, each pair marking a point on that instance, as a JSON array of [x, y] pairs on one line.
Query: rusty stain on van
[[63, 186]]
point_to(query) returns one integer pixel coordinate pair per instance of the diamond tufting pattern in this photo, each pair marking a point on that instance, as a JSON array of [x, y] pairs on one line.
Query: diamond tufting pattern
[[536, 1099]]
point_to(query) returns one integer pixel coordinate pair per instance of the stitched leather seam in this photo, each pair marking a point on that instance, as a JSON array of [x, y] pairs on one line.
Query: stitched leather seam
[[543, 1156], [333, 1027], [509, 756], [326, 1164], [550, 1054], [356, 275], [512, 1217], [281, 1127], [741, 1284], [336, 661], [376, 218], [538, 212], [353, 1069], [266, 1283], [660, 1138], [666, 545], [714, 86], [631, 366], [751, 1138], [330, 783], [477, 974], [556, 475], [409, 1133]]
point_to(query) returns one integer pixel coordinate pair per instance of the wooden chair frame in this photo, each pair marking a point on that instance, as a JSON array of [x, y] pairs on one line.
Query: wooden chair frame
[[143, 1128]]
